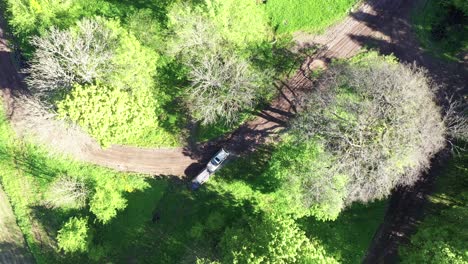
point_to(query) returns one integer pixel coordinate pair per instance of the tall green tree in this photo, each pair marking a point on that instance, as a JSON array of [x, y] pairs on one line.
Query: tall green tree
[[271, 239]]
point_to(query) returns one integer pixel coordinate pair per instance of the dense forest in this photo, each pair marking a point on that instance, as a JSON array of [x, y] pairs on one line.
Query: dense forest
[[146, 73]]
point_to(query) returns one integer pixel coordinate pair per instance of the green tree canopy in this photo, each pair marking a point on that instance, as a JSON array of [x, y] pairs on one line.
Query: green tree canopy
[[271, 239]]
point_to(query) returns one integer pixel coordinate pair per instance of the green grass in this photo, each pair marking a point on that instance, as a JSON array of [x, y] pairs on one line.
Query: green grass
[[441, 30], [311, 16], [443, 234]]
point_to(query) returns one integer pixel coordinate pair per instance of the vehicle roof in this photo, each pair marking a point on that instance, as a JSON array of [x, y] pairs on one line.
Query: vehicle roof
[[222, 154]]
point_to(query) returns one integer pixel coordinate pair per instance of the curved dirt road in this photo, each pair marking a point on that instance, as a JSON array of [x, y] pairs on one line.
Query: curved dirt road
[[183, 161]]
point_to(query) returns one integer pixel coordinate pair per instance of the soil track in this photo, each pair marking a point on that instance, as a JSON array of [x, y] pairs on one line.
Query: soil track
[[64, 138]]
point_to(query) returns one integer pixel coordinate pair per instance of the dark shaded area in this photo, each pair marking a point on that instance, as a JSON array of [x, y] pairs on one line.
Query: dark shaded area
[[190, 224], [348, 236], [392, 20], [250, 169], [404, 214], [12, 253]]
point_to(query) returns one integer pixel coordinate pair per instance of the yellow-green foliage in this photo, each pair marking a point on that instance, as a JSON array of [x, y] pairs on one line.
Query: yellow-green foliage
[[135, 65], [110, 114], [305, 187], [241, 22], [73, 237]]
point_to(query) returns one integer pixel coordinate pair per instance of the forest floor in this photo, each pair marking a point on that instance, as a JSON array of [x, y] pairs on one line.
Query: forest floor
[[380, 24]]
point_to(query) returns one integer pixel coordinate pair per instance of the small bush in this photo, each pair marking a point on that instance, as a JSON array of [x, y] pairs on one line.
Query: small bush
[[109, 114], [74, 235]]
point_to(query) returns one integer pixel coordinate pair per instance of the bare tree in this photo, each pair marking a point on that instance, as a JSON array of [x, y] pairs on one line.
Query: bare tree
[[378, 120], [455, 118], [64, 57], [194, 34], [221, 87], [66, 192]]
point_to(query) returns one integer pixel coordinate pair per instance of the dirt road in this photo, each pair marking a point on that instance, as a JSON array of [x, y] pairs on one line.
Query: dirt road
[[178, 161]]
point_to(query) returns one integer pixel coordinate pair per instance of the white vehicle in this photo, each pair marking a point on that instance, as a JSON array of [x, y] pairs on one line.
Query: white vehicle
[[211, 167], [216, 161]]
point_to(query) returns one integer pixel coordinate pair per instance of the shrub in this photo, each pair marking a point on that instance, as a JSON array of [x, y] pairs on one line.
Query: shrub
[[134, 65], [74, 235], [110, 114], [108, 197], [308, 183], [66, 192], [145, 27]]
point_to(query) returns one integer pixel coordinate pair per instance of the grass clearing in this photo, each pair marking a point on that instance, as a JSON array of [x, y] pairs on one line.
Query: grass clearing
[[311, 16]]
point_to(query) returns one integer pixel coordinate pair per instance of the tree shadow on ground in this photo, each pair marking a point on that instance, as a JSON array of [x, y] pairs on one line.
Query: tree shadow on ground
[[348, 237], [394, 24], [167, 223], [251, 170], [14, 253]]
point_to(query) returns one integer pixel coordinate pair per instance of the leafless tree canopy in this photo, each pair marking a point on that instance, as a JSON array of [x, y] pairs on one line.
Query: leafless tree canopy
[[194, 35], [221, 87], [64, 57], [378, 120], [456, 120], [66, 192], [222, 84]]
